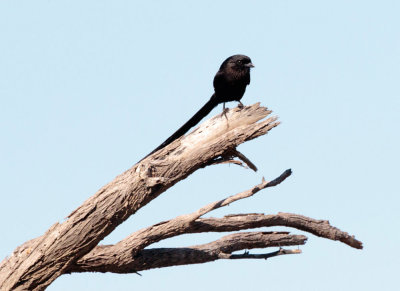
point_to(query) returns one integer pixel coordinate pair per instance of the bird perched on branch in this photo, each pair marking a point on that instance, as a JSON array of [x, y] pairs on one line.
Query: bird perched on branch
[[229, 85]]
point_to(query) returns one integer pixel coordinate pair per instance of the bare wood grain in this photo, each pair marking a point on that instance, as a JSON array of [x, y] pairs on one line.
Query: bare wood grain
[[72, 246], [111, 256], [37, 263], [216, 250]]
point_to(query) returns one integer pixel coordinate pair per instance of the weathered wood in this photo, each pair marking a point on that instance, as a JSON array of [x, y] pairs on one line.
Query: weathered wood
[[37, 263], [109, 257], [72, 246], [219, 249]]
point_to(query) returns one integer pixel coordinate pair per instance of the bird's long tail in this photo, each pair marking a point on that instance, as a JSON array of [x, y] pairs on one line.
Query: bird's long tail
[[189, 124]]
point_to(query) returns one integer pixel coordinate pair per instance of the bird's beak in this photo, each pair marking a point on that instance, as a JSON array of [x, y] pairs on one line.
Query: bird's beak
[[249, 65]]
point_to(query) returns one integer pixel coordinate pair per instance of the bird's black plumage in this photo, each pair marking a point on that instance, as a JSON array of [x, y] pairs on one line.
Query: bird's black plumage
[[229, 85], [232, 78]]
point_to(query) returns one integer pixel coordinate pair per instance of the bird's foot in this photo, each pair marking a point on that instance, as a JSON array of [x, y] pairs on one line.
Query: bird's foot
[[240, 105], [224, 111]]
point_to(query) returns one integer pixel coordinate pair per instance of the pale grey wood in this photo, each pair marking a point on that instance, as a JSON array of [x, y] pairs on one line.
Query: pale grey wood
[[37, 263], [72, 246]]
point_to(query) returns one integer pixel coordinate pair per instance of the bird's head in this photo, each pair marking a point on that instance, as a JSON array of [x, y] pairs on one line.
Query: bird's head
[[238, 63]]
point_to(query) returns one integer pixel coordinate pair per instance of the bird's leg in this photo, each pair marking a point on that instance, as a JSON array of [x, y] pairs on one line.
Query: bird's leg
[[224, 110], [240, 104]]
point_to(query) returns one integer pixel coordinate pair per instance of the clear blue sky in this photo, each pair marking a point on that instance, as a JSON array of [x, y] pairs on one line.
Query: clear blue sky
[[88, 88]]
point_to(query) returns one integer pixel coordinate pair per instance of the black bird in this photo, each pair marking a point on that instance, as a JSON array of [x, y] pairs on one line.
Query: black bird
[[229, 85]]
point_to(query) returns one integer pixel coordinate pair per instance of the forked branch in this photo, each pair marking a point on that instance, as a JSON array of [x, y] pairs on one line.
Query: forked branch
[[72, 246], [109, 258], [219, 249]]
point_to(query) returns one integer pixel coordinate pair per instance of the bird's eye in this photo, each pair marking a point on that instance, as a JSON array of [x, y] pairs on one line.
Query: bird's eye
[[239, 62]]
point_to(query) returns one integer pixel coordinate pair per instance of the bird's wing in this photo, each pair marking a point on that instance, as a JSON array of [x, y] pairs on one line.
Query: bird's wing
[[247, 79], [219, 81]]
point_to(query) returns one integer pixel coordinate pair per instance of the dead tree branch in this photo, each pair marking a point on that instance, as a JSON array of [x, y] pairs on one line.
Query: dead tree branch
[[50, 255], [72, 246], [107, 256], [163, 230], [219, 249], [110, 256]]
